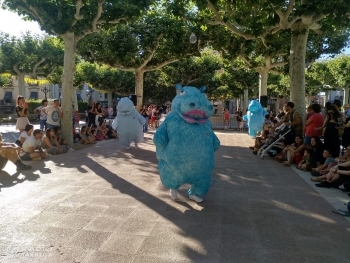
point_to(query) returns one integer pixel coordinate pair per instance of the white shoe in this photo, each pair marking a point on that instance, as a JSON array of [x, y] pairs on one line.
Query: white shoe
[[225, 128], [128, 148], [196, 198], [173, 194], [136, 146], [71, 150]]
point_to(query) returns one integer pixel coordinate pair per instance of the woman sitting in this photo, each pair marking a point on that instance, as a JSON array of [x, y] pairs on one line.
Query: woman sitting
[[294, 151], [318, 148], [50, 143], [28, 130], [84, 137], [62, 142]]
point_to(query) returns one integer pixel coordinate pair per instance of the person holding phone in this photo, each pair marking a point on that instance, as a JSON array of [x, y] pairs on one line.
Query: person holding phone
[[22, 113]]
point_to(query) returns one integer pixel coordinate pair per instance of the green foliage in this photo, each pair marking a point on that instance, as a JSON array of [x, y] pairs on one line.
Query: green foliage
[[33, 104], [5, 80], [82, 106], [31, 54]]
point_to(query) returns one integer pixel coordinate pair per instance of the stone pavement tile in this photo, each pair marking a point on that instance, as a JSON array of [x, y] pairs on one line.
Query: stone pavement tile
[[104, 224], [91, 209], [54, 236], [152, 259], [74, 221], [280, 255], [87, 239], [118, 212], [123, 244], [64, 207], [200, 250], [105, 257], [114, 200], [137, 227]]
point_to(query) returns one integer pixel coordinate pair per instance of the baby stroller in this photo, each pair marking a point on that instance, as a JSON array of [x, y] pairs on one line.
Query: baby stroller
[[282, 133]]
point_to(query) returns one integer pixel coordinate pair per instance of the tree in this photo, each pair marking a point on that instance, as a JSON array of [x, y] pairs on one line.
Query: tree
[[105, 79], [150, 43], [31, 55], [257, 19], [72, 20]]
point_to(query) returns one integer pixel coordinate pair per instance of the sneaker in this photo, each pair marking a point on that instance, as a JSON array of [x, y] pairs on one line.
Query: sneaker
[[196, 198], [225, 127], [173, 194]]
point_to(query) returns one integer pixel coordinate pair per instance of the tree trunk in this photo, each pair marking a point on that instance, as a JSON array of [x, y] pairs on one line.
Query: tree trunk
[[110, 98], [263, 81], [346, 96], [246, 99], [299, 37], [139, 87], [75, 99], [67, 86], [22, 85]]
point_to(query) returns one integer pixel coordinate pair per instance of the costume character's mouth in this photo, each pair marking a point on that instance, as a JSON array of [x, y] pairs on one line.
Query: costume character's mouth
[[195, 116]]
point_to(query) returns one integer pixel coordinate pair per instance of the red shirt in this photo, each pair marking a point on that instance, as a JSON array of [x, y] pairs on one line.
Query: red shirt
[[315, 121], [227, 115]]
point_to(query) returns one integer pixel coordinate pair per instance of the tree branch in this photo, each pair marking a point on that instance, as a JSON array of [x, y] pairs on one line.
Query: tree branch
[[149, 58], [15, 69], [77, 14], [35, 68], [163, 64]]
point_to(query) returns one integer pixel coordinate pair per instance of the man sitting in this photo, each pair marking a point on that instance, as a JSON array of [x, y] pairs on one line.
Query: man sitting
[[8, 151], [32, 147]]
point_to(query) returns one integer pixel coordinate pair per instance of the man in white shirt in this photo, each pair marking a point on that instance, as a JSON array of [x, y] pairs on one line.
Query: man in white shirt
[[32, 147], [54, 114]]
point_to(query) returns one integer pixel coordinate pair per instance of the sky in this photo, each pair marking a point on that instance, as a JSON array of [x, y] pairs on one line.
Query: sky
[[12, 24]]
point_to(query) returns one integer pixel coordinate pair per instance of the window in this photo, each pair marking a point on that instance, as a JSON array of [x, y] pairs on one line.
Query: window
[[8, 97], [33, 95]]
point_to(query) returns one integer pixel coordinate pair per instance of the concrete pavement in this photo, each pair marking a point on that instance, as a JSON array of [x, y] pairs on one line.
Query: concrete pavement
[[106, 204]]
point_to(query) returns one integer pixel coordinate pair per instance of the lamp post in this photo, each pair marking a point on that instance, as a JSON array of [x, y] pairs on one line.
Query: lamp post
[[45, 90]]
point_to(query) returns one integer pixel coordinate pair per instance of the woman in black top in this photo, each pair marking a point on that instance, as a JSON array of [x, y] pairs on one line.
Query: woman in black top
[[91, 114], [22, 113], [99, 114], [145, 114]]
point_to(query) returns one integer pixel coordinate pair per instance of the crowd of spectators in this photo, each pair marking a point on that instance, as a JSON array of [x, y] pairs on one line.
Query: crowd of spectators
[[318, 144]]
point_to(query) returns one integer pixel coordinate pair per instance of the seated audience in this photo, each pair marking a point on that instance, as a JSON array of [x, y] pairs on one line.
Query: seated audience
[[9, 151], [28, 130], [318, 148], [308, 162], [324, 168], [32, 150], [294, 151], [84, 138], [50, 143], [62, 142]]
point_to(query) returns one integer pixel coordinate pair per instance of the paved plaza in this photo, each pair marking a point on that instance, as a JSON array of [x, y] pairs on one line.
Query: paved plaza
[[106, 204]]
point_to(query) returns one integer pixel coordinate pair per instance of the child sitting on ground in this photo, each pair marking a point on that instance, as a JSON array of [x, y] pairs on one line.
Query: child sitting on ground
[[319, 173], [308, 162]]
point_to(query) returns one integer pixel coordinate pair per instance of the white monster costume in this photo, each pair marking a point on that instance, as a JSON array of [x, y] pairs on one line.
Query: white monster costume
[[128, 123]]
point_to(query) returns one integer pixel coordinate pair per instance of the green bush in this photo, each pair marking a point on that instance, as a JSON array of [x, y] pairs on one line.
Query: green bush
[[82, 106], [33, 104]]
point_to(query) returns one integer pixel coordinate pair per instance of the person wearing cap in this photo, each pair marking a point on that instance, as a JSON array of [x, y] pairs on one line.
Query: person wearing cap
[[54, 114]]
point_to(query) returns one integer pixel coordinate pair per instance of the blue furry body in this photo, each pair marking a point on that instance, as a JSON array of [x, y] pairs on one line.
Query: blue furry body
[[255, 117], [186, 150]]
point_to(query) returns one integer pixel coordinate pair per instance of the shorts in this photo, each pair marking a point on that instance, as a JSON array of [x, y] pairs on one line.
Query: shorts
[[307, 140], [25, 157]]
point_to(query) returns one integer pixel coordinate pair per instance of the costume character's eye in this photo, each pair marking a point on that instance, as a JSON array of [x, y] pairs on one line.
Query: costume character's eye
[[182, 93]]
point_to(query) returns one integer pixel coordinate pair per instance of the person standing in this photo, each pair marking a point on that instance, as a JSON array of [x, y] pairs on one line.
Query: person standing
[[42, 115], [91, 114], [226, 119], [22, 113], [145, 114], [54, 114]]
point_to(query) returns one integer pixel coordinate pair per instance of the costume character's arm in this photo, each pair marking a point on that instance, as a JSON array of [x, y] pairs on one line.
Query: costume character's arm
[[115, 123], [160, 138], [140, 118]]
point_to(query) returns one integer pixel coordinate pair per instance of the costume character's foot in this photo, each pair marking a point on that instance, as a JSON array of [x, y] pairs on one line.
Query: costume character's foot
[[195, 198], [173, 194], [136, 146]]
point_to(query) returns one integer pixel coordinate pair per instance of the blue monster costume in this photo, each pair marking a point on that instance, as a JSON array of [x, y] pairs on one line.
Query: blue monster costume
[[128, 123], [185, 143], [255, 117]]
